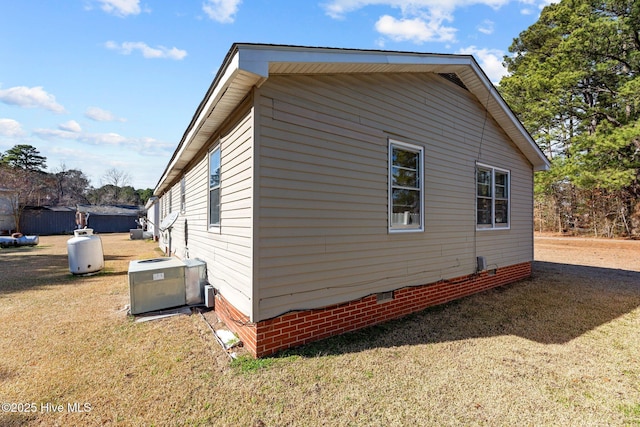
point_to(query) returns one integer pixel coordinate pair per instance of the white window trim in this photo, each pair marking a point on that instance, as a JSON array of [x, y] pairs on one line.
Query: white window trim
[[213, 227], [420, 150], [492, 226]]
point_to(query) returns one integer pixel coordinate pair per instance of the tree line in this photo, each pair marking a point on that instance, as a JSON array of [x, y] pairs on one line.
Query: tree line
[[22, 170], [574, 82]]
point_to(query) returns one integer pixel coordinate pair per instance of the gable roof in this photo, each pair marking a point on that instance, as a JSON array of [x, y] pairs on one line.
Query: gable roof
[[118, 210], [247, 65]]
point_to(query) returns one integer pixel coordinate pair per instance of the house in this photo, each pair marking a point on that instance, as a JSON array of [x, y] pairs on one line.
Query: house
[[152, 220], [331, 189]]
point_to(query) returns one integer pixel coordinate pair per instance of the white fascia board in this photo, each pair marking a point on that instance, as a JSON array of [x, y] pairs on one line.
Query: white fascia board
[[213, 98], [256, 58], [152, 201], [231, 69], [539, 160]]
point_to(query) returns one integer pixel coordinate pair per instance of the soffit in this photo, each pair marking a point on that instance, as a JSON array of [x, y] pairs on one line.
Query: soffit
[[248, 65]]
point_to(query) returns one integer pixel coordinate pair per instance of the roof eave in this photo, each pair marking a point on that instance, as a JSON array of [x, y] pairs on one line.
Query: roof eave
[[248, 65], [479, 84], [229, 88]]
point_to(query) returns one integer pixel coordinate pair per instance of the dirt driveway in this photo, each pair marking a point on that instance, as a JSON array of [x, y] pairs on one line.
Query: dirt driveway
[[609, 254]]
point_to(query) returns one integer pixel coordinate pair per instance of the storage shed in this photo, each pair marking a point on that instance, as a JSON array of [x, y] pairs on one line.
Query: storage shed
[[331, 189], [48, 220], [110, 218]]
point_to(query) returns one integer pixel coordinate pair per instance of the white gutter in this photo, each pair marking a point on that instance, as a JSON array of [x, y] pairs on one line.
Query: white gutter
[[212, 99]]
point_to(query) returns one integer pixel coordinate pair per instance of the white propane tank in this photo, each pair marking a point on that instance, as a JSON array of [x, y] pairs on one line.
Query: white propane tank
[[85, 252]]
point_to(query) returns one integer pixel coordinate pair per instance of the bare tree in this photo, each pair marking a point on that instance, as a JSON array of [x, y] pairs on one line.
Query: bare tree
[[115, 180], [71, 185], [30, 188]]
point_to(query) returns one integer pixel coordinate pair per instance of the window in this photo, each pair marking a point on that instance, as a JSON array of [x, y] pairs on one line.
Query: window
[[492, 197], [406, 193], [183, 196], [214, 187], [170, 201]]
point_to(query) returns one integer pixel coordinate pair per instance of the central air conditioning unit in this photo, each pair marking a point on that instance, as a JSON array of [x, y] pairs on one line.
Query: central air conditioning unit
[[195, 278], [156, 284]]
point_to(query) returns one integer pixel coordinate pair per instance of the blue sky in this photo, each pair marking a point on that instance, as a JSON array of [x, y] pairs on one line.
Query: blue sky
[[102, 84]]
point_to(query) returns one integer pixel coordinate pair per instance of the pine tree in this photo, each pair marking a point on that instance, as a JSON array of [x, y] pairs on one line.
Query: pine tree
[[574, 83], [24, 157]]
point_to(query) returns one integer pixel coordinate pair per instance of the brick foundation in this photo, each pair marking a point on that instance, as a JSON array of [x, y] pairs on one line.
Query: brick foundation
[[297, 328], [237, 322]]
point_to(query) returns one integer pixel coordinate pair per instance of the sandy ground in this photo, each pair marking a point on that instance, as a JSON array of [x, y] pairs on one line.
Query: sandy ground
[[604, 253]]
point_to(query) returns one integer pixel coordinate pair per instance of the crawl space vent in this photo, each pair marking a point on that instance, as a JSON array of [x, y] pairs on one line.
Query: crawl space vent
[[384, 297]]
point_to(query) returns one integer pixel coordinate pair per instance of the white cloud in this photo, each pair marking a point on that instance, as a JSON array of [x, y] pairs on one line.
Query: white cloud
[[222, 11], [532, 5], [416, 30], [144, 145], [120, 7], [147, 51], [486, 27], [89, 138], [339, 8], [31, 97], [540, 4], [420, 20], [10, 128], [100, 115], [55, 133], [490, 61], [70, 126]]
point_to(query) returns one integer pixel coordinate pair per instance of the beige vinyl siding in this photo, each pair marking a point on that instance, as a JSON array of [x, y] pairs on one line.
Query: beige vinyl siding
[[508, 247], [323, 179], [227, 250]]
